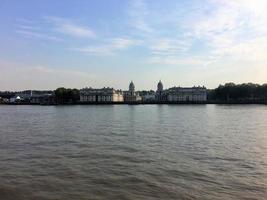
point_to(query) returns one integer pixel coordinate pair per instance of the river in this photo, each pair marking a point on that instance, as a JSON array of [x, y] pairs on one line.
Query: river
[[133, 152]]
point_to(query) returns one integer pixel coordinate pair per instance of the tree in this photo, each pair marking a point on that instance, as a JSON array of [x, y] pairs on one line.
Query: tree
[[67, 95], [240, 92]]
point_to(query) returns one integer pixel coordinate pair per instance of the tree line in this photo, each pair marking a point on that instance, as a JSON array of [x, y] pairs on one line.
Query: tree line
[[239, 92]]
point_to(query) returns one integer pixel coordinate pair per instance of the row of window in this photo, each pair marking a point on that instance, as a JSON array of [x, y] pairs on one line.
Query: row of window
[[187, 98], [102, 98]]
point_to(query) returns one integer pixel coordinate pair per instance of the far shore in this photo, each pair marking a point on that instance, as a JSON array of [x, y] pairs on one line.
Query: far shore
[[147, 103]]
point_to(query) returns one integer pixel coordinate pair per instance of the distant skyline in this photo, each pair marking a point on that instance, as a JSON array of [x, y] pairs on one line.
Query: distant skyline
[[49, 44]]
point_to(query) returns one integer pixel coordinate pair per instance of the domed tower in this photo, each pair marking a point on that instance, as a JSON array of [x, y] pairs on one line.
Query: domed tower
[[131, 87], [160, 87], [160, 96]]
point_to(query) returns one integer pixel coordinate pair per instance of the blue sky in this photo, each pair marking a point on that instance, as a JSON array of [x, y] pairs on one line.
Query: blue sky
[[47, 44]]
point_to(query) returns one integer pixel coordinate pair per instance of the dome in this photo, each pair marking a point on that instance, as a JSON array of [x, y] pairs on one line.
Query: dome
[[160, 86], [131, 86]]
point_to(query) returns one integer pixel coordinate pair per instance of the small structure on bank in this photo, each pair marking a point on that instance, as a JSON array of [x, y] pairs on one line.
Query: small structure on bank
[[15, 99]]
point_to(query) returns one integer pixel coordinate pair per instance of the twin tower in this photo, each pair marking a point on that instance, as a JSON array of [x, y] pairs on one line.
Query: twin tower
[[159, 87], [131, 95]]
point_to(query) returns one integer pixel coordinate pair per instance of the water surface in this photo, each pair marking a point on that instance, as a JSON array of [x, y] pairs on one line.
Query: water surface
[[133, 152]]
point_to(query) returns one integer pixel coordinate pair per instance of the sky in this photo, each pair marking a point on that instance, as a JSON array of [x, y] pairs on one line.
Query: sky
[[100, 43]]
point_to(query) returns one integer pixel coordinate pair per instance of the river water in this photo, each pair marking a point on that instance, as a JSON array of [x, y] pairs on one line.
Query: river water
[[133, 152]]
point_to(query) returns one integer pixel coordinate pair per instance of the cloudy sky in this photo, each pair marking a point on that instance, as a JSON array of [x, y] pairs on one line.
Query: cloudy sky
[[47, 44]]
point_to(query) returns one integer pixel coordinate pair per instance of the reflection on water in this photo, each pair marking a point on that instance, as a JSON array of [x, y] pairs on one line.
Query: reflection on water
[[133, 152]]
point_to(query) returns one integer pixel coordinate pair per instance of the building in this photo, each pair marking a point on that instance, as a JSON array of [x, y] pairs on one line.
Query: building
[[131, 95], [3, 100], [193, 94], [6, 95], [43, 99], [147, 96], [161, 95], [180, 94], [100, 95], [15, 99]]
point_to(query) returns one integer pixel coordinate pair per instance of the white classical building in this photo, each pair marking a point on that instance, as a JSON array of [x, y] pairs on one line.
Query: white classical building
[[100, 95], [193, 94], [181, 94], [131, 95]]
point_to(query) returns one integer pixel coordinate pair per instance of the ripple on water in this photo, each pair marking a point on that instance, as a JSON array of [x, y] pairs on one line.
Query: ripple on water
[[133, 152]]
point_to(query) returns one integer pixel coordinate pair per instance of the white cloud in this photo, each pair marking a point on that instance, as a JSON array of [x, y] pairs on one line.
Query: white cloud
[[110, 48], [255, 6], [37, 35], [67, 27], [233, 30], [138, 12], [179, 61], [253, 50], [28, 27], [219, 21], [169, 47], [56, 26], [74, 30], [123, 43]]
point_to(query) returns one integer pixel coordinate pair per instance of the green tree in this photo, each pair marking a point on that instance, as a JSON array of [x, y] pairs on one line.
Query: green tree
[[67, 95], [240, 92]]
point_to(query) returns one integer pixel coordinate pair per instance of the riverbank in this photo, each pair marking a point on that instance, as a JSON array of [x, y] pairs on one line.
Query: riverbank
[[146, 103]]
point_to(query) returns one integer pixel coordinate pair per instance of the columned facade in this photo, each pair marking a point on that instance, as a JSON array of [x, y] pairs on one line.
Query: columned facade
[[174, 94], [131, 95], [100, 95], [181, 94], [194, 94]]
